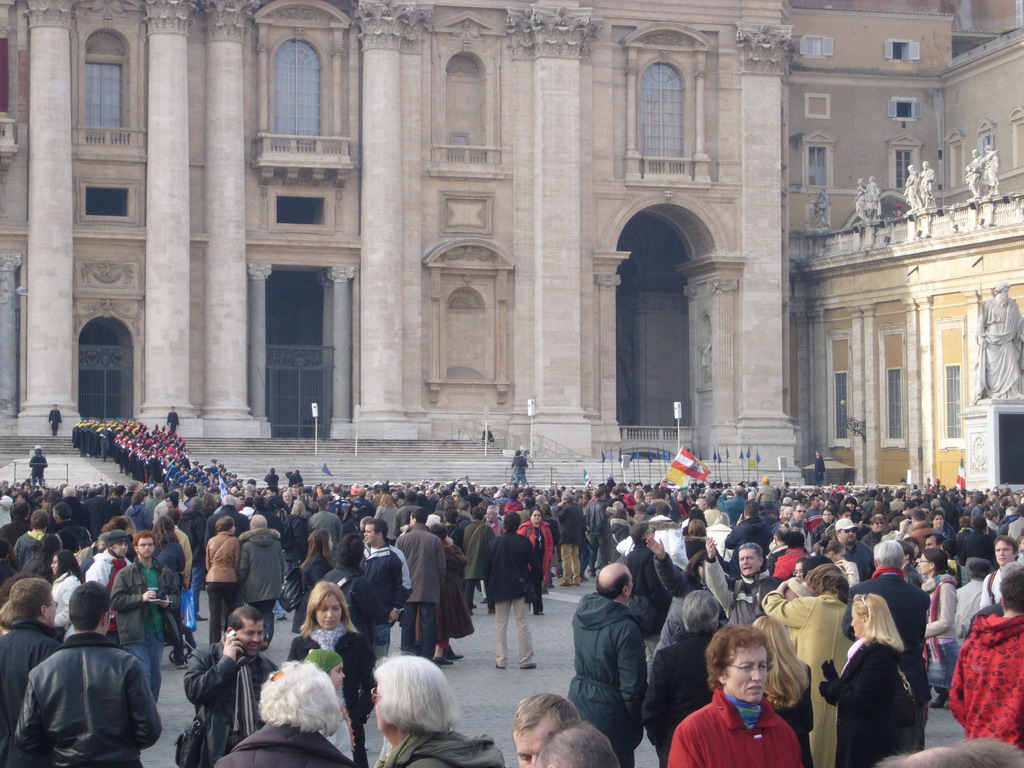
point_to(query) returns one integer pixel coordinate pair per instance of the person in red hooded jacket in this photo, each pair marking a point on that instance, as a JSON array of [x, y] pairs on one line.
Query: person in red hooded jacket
[[540, 536], [987, 697]]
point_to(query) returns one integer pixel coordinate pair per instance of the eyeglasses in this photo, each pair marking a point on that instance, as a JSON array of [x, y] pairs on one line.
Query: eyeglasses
[[747, 669]]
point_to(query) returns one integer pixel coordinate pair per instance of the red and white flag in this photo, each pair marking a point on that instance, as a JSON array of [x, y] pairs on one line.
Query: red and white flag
[[961, 476], [685, 464]]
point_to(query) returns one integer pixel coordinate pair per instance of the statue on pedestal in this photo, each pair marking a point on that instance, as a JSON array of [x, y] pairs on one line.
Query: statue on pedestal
[[873, 199], [990, 171], [925, 186], [972, 174], [823, 210], [910, 191], [860, 202], [1000, 347]]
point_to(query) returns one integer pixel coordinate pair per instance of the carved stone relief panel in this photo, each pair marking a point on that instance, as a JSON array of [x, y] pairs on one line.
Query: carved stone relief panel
[[466, 214], [107, 274]]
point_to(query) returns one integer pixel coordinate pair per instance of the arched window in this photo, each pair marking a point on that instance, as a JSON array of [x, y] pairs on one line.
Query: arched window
[[296, 89], [104, 75], [661, 111], [465, 100]]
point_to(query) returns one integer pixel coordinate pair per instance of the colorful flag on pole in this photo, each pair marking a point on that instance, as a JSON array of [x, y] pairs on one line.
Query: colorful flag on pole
[[757, 458], [223, 488], [685, 465], [961, 476], [586, 479], [602, 457], [326, 471], [726, 453]]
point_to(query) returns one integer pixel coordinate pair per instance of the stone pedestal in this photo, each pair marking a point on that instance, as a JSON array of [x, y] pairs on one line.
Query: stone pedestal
[[168, 235], [225, 408], [989, 428], [49, 260]]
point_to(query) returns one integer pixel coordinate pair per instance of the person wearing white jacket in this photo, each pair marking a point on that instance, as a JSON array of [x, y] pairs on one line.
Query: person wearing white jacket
[[67, 578]]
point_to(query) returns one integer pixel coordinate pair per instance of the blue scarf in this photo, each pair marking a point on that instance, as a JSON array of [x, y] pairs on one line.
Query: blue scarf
[[749, 713]]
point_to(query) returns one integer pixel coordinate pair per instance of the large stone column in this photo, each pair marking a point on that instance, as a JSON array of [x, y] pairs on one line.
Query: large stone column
[[341, 335], [168, 235], [556, 43], [914, 397], [927, 351], [385, 28], [225, 411], [49, 358], [258, 274], [9, 263], [762, 419]]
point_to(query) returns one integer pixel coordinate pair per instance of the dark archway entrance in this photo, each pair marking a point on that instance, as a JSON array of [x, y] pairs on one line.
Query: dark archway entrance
[[652, 323], [299, 366], [105, 370]]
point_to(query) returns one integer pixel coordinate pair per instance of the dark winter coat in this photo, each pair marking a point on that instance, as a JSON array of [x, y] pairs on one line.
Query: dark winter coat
[[276, 746], [570, 518], [261, 569], [210, 685], [425, 556], [647, 585], [751, 530], [23, 648], [295, 538], [864, 695], [513, 562], [193, 524], [89, 703], [447, 750], [611, 671], [678, 686], [363, 603], [126, 599], [453, 619], [383, 569], [909, 608], [359, 659]]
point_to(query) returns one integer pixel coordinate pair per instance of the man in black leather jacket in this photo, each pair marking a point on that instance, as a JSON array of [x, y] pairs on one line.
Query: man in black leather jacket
[[30, 641], [89, 703]]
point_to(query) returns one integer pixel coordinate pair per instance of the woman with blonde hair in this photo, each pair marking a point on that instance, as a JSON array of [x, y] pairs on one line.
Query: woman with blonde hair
[[866, 690], [789, 685], [328, 626], [814, 619]]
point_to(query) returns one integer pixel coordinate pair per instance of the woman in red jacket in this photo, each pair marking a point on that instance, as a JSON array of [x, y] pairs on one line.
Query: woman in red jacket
[[739, 726], [539, 534]]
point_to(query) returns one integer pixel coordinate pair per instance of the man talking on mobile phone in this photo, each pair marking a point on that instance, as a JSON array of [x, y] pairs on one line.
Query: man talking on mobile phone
[[224, 682]]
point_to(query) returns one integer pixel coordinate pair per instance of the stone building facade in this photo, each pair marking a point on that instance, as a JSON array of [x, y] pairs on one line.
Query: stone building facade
[[413, 213]]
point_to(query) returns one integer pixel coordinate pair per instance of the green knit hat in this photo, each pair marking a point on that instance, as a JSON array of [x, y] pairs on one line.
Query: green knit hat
[[326, 660]]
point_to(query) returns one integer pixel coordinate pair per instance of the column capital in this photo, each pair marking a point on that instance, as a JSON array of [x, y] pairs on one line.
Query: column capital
[[390, 25], [9, 261], [764, 48], [259, 271], [607, 281], [334, 274], [228, 19], [49, 13], [559, 34], [169, 16]]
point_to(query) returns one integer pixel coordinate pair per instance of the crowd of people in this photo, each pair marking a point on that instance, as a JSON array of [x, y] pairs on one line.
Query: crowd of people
[[746, 625]]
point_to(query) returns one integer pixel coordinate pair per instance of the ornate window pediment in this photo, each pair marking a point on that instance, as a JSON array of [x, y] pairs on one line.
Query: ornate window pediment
[[668, 37], [302, 13], [467, 25]]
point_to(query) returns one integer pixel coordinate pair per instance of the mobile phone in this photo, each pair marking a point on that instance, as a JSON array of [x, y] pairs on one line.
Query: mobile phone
[[230, 634]]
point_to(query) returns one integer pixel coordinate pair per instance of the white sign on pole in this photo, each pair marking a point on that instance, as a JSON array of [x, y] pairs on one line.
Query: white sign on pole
[[531, 407], [677, 408], [316, 410]]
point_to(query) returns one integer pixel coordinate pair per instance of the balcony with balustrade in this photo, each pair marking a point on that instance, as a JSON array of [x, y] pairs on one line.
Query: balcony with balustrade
[[466, 161], [110, 144], [8, 144], [302, 160]]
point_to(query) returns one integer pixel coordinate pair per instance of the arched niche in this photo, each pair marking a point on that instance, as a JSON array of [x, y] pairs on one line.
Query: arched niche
[[468, 285], [105, 366]]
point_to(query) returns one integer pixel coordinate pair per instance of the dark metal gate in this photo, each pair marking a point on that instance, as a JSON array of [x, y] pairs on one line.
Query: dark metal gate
[[104, 382], [297, 377]]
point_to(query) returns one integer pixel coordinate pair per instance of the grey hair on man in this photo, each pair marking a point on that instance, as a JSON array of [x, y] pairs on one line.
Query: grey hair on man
[[416, 697], [700, 612], [975, 753], [888, 554], [578, 746]]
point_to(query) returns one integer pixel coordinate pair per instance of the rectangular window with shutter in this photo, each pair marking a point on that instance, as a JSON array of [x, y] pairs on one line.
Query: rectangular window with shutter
[[953, 394], [813, 45], [904, 109], [904, 158], [894, 402], [817, 166], [839, 398], [902, 50]]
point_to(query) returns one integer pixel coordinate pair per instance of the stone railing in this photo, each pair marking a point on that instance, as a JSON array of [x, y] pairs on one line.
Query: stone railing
[[118, 138], [462, 154], [306, 160], [955, 219], [666, 166], [7, 136], [656, 434]]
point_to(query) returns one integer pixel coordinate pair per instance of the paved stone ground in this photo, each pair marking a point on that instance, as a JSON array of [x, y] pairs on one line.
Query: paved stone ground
[[489, 696]]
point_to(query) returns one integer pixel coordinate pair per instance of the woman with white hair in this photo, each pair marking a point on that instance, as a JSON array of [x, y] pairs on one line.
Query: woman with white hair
[[417, 714], [299, 706]]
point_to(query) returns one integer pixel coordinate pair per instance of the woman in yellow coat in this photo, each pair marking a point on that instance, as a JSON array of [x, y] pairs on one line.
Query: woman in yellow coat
[[813, 612]]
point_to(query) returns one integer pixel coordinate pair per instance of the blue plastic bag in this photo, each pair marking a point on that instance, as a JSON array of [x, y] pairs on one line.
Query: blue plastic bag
[[188, 609]]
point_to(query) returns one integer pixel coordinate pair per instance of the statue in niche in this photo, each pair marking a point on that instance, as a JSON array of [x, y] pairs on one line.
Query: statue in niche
[[972, 174], [926, 186], [873, 199], [823, 210], [990, 171], [1000, 347], [860, 202], [910, 194], [705, 347]]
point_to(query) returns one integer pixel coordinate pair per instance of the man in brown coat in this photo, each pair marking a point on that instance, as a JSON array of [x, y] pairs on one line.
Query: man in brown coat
[[424, 554]]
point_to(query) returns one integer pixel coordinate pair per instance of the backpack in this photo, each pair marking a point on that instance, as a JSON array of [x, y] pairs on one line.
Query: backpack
[[291, 589]]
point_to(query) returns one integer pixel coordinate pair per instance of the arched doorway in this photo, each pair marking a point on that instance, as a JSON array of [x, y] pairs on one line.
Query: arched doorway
[[652, 322], [105, 370]]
